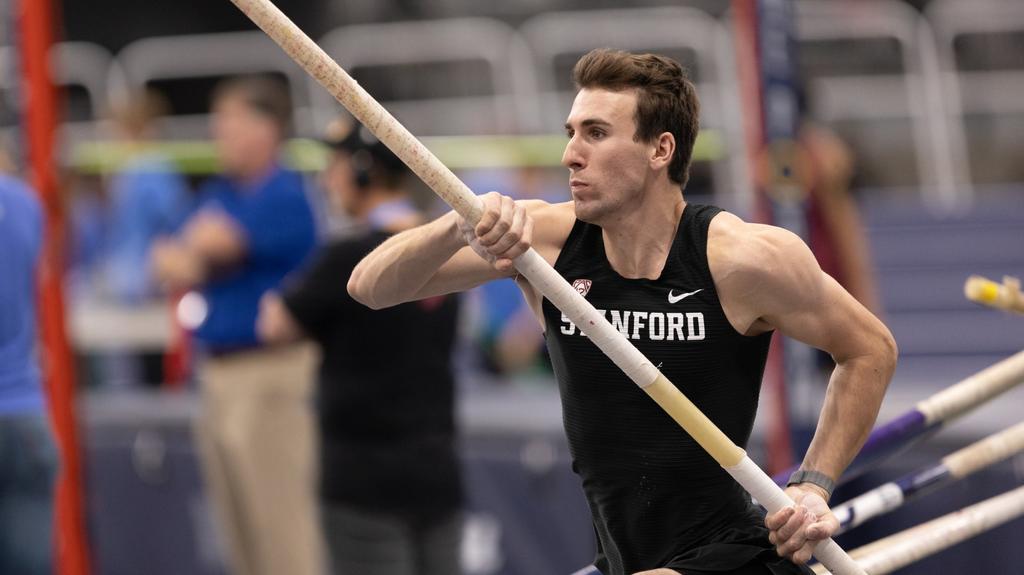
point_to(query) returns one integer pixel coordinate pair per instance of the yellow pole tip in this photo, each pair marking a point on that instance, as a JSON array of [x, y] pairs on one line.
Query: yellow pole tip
[[981, 289]]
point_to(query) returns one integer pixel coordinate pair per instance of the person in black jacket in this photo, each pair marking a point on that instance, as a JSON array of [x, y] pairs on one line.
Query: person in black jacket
[[390, 485]]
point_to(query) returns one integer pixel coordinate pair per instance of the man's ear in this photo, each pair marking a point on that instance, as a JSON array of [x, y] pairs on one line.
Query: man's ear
[[664, 151]]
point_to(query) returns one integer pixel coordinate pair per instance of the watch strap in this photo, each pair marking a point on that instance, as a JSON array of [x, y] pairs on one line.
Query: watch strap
[[814, 477]]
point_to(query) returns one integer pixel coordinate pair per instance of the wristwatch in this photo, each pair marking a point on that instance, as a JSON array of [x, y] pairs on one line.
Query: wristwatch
[[815, 477]]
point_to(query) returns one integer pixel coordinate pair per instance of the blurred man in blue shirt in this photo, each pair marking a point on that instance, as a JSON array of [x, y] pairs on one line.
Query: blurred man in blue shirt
[[148, 198], [256, 432], [28, 459]]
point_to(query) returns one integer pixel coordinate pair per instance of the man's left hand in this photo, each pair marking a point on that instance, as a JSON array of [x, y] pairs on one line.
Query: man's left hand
[[175, 266], [215, 236], [796, 530]]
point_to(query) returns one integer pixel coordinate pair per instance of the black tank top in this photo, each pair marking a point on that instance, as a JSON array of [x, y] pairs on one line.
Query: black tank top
[[657, 499]]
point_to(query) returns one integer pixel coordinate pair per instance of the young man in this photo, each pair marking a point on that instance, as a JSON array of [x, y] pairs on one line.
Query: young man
[[698, 291], [390, 486], [256, 432]]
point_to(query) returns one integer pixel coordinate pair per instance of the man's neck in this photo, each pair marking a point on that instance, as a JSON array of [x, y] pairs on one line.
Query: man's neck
[[637, 244], [254, 175]]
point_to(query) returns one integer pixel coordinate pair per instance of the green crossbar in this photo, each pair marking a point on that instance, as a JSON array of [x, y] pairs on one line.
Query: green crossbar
[[198, 157]]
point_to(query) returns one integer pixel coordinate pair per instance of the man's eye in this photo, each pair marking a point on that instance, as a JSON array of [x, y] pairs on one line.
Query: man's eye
[[596, 134]]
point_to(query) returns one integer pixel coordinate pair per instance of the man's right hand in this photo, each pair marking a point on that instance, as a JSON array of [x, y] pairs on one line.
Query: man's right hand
[[175, 266], [503, 233]]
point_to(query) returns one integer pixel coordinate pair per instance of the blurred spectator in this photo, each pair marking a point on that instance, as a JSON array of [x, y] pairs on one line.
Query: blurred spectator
[[148, 198], [836, 230], [256, 432], [87, 221], [390, 483], [28, 457], [505, 330]]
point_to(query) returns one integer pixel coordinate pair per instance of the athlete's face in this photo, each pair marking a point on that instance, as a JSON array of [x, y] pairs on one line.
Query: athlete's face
[[607, 167]]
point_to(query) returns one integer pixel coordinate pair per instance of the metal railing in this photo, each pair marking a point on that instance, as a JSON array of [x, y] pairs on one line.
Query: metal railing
[[206, 56], [524, 94], [915, 93], [506, 107], [992, 92], [82, 65]]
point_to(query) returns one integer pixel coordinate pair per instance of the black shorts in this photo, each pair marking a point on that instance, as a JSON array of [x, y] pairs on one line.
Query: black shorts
[[779, 566], [740, 548], [756, 567], [747, 552]]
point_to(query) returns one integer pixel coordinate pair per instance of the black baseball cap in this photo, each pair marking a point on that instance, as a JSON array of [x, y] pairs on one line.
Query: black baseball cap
[[356, 139]]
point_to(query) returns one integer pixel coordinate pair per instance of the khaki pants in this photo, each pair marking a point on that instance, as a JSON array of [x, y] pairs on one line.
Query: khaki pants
[[257, 443]]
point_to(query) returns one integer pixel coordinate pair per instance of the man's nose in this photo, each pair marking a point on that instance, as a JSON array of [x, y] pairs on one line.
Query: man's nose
[[572, 158]]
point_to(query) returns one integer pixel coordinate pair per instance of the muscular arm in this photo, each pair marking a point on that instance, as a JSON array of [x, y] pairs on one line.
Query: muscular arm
[[428, 260], [436, 258], [768, 279]]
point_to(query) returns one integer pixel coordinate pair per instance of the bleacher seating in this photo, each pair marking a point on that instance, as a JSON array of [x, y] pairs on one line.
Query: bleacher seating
[[438, 77], [921, 128], [187, 67], [982, 71], [931, 103], [923, 260], [483, 76]]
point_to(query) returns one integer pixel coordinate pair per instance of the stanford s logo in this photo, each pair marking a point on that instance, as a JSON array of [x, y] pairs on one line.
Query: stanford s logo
[[582, 286]]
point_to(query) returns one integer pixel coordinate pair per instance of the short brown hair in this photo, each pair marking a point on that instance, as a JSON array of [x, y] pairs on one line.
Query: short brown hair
[[666, 99], [140, 111], [264, 94]]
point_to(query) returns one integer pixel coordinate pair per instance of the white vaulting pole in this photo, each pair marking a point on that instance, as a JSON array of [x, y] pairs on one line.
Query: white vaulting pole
[[542, 276], [903, 548], [953, 467]]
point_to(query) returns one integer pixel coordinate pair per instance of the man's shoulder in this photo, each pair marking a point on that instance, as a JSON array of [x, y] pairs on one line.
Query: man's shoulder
[[551, 222], [286, 183], [546, 208], [753, 265], [287, 176], [20, 199], [748, 249], [19, 192], [214, 186]]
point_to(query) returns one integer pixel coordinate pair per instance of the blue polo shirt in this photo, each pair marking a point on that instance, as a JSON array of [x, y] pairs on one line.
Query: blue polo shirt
[[277, 219], [21, 240], [148, 199]]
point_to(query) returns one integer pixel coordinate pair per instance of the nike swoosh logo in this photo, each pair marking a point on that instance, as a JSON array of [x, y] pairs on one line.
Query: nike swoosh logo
[[676, 298]]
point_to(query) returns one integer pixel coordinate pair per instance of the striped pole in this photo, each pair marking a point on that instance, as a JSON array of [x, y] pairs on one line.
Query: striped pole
[[931, 414], [541, 275], [950, 469], [901, 549]]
